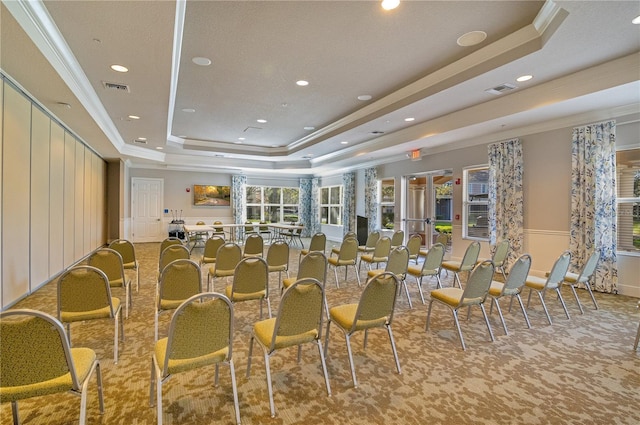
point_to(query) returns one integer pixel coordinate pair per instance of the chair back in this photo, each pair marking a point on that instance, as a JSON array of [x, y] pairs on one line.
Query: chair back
[[443, 238], [211, 247], [179, 280], [313, 265], [83, 288], [397, 238], [249, 228], [559, 270], [126, 250], [217, 226], [589, 267], [172, 253], [383, 247], [350, 235], [433, 260], [470, 256], [413, 245], [278, 254], [500, 253], [228, 256], [251, 276], [299, 313], [348, 250], [398, 261], [478, 284], [254, 245], [318, 242], [263, 227], [372, 240], [518, 274], [201, 326], [378, 300], [110, 262], [34, 349], [168, 242]]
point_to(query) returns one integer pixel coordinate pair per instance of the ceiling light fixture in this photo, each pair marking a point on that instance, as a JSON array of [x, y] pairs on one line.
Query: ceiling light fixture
[[119, 68], [188, 110], [302, 83], [524, 78], [636, 20], [344, 142], [308, 128], [364, 97], [201, 61], [159, 148], [409, 119], [261, 121], [390, 4], [134, 117], [471, 38]]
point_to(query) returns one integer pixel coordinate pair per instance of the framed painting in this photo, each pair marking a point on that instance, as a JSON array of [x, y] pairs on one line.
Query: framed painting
[[211, 196]]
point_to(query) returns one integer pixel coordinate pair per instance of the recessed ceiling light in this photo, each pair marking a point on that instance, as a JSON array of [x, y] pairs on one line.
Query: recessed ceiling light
[[636, 20], [201, 61], [524, 78], [134, 117], [142, 139], [471, 38], [364, 97], [241, 138], [119, 68], [309, 128], [344, 142], [274, 146], [159, 148], [188, 110], [390, 4], [238, 142], [409, 119], [262, 121], [302, 83]]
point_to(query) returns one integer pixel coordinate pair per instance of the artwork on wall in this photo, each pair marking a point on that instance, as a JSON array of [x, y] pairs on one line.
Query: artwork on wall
[[211, 196]]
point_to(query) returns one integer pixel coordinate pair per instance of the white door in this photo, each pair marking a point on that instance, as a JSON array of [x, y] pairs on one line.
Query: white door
[[146, 210]]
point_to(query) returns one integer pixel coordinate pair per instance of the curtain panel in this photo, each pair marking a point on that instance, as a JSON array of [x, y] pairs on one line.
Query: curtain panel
[[371, 197], [593, 202], [348, 202], [239, 199], [506, 208], [309, 206]]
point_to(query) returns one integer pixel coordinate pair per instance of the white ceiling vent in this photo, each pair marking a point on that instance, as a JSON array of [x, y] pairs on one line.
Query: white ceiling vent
[[501, 88], [115, 86], [141, 141]]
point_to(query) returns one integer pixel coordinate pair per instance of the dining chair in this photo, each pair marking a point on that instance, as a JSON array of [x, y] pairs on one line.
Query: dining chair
[[347, 256], [336, 249], [318, 243], [466, 265], [36, 359], [253, 246], [128, 253], [110, 262], [512, 287], [370, 243], [413, 245], [172, 253], [431, 266], [250, 282], [397, 239], [583, 278], [397, 264], [227, 258], [211, 247], [553, 281], [278, 259], [218, 229], [379, 255]]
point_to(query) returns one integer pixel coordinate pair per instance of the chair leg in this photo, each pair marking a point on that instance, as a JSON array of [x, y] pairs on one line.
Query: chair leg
[[588, 286], [564, 306], [455, 318], [406, 290], [575, 295], [326, 336], [117, 318], [544, 306], [393, 348], [635, 344], [249, 356], [269, 385], [357, 274], [524, 312], [426, 328], [324, 367], [335, 273], [504, 325], [100, 394], [353, 370], [14, 412], [486, 319], [234, 387], [419, 284]]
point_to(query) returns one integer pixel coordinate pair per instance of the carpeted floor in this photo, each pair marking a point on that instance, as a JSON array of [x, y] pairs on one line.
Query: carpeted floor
[[578, 371]]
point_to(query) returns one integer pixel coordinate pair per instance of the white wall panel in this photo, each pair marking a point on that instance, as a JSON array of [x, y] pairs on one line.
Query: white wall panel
[[1, 148], [69, 198], [56, 200], [39, 229], [87, 207], [78, 244], [15, 195]]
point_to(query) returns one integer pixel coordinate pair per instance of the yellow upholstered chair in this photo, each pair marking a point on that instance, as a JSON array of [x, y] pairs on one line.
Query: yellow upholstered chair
[[227, 258], [296, 236], [379, 255], [512, 287], [264, 231], [374, 310], [553, 281], [172, 253], [200, 334], [84, 294], [179, 281], [248, 229], [318, 243], [336, 250], [210, 252], [299, 321], [313, 265], [36, 360], [430, 267], [218, 229], [198, 237], [278, 259], [474, 293], [253, 246], [442, 238], [397, 239], [168, 242], [110, 262], [370, 243], [250, 282], [499, 257], [413, 245], [397, 264], [128, 253], [466, 265], [347, 256], [574, 280]]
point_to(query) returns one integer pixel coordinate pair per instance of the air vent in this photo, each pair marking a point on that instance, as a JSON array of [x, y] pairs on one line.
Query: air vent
[[377, 133], [501, 88], [115, 86], [140, 141]]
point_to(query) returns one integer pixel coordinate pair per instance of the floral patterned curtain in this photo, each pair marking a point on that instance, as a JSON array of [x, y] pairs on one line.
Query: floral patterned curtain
[[505, 196], [309, 206], [593, 201], [348, 202], [371, 197], [239, 199]]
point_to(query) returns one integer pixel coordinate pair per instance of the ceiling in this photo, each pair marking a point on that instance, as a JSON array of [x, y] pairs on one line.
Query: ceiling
[[584, 57]]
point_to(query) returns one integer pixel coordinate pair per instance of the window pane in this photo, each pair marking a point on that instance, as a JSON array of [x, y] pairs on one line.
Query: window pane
[[388, 190], [253, 213], [254, 195], [478, 220], [387, 216], [272, 195], [290, 195], [324, 195], [335, 195], [335, 216], [478, 185], [324, 215], [290, 214], [629, 226], [272, 213]]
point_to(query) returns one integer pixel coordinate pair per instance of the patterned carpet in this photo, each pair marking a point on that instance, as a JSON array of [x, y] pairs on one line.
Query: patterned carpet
[[577, 371]]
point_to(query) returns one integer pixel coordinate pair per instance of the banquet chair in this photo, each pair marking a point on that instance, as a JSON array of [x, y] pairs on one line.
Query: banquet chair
[[263, 229], [583, 278], [336, 249], [552, 282], [172, 253], [180, 280], [299, 321], [199, 237], [110, 262], [466, 265], [398, 264], [374, 310], [512, 287], [379, 255], [210, 252], [36, 360], [397, 239], [172, 240], [200, 334], [278, 259], [370, 243], [318, 243], [474, 293], [84, 294], [227, 258], [313, 265], [218, 229], [499, 257], [413, 245], [248, 229], [250, 282], [296, 236], [346, 257], [442, 238], [128, 253], [430, 267], [253, 246]]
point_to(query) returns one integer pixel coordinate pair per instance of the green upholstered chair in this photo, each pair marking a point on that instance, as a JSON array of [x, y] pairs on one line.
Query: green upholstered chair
[[413, 245], [218, 229], [347, 256], [84, 294], [336, 250], [299, 321], [227, 258], [172, 240], [466, 265], [210, 252], [474, 293], [370, 243], [180, 280], [313, 265], [374, 310], [397, 239], [379, 255], [499, 257], [36, 360], [253, 246], [430, 267], [250, 282], [265, 231], [318, 243], [583, 278], [200, 334], [128, 253], [553, 281], [110, 262], [512, 287], [442, 238], [172, 253], [398, 264], [278, 259]]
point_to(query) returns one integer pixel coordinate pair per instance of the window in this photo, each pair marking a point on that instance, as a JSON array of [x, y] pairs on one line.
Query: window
[[476, 203], [272, 204], [628, 179], [387, 203], [331, 205]]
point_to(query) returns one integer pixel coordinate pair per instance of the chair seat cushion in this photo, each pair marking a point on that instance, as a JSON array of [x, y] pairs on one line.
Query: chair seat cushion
[[263, 330], [183, 365], [449, 296], [536, 282], [280, 268], [131, 265], [372, 273], [242, 296], [335, 250], [166, 304], [344, 315], [495, 290], [208, 260], [335, 261], [220, 273], [101, 313], [573, 278], [288, 281], [454, 266]]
